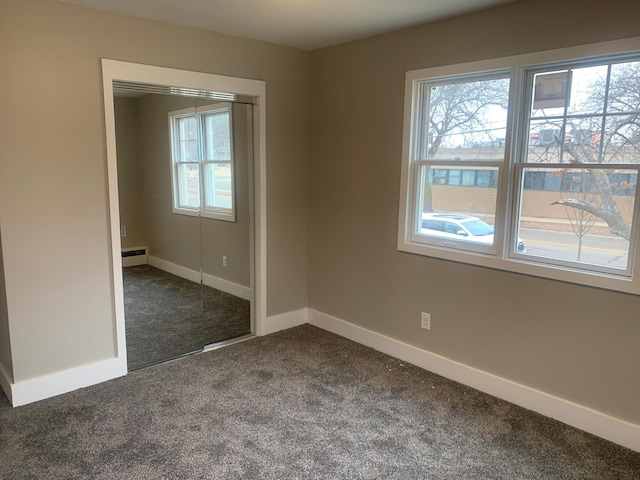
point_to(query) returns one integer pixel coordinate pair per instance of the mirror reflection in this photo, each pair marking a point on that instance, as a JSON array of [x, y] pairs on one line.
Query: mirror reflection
[[184, 183]]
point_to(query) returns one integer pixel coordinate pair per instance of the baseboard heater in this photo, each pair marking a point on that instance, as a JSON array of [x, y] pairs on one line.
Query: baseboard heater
[[134, 256]]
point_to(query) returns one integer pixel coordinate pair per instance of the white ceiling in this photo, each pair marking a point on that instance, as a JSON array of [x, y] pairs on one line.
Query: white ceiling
[[306, 24]]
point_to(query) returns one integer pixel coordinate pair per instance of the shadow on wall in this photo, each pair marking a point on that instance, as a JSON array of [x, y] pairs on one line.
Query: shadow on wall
[[6, 365]]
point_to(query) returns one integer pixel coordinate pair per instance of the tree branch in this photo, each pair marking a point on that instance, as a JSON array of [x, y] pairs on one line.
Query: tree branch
[[616, 224]]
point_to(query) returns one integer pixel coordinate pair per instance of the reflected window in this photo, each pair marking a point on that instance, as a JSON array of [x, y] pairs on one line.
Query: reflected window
[[202, 161]]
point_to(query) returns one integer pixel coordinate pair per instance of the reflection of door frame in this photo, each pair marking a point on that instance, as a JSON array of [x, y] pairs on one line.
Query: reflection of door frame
[[132, 72]]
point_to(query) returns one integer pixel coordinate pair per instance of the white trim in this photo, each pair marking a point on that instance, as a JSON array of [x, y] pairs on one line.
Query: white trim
[[6, 383], [175, 269], [39, 388], [226, 286], [114, 213], [285, 320], [133, 72], [218, 283], [584, 418]]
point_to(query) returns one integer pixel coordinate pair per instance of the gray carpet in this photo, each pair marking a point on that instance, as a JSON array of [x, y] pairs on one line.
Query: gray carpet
[[168, 316], [298, 404]]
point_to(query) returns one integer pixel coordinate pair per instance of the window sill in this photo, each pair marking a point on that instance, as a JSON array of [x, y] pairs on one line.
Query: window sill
[[618, 283]]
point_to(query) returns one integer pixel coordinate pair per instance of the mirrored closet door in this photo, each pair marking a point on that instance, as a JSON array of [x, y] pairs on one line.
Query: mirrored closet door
[[185, 193]]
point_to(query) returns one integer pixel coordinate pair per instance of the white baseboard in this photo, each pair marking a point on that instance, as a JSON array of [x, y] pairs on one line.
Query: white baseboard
[[6, 382], [39, 388], [226, 286], [283, 321], [175, 269], [597, 423], [195, 276]]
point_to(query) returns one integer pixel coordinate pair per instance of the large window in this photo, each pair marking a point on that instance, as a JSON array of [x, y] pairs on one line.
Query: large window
[[202, 162], [529, 166]]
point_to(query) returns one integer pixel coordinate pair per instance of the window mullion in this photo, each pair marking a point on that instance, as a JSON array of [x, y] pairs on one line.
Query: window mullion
[[603, 128], [200, 155], [517, 125]]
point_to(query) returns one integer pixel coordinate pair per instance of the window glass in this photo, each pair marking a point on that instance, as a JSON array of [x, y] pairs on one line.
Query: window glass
[[483, 178], [586, 204], [587, 90], [202, 162], [188, 185], [466, 119], [624, 95], [217, 135], [447, 207], [565, 224], [468, 178], [218, 182], [185, 134], [454, 177]]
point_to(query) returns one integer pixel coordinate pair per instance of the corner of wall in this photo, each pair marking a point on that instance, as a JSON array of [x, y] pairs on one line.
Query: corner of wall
[[282, 321], [6, 359]]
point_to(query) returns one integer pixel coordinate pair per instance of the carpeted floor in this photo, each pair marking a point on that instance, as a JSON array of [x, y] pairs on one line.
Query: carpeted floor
[[168, 316], [298, 404]]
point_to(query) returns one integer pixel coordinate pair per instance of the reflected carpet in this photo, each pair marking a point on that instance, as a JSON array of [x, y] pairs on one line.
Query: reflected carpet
[[167, 316]]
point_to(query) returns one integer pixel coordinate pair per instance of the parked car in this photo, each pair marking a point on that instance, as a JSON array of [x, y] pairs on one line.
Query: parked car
[[460, 227]]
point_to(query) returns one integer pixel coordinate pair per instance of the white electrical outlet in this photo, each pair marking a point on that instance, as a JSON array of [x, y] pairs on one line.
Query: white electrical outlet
[[425, 321], [224, 260]]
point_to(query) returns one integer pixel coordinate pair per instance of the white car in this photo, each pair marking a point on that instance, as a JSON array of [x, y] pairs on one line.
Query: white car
[[460, 227]]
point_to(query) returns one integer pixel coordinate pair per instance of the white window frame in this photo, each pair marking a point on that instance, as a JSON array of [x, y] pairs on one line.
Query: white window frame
[[218, 213], [502, 256]]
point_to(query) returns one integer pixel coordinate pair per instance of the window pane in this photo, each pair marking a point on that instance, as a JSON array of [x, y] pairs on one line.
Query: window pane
[[217, 135], [582, 140], [464, 213], [468, 178], [587, 90], [622, 139], [483, 178], [624, 89], [186, 139], [545, 141], [586, 221], [188, 185], [439, 176], [466, 119], [454, 177], [218, 185]]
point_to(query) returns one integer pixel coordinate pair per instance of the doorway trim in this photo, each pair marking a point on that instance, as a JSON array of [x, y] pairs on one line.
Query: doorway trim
[[138, 73]]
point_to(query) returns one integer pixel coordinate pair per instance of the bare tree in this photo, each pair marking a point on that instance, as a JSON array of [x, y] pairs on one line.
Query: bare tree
[[616, 141], [581, 220], [461, 110]]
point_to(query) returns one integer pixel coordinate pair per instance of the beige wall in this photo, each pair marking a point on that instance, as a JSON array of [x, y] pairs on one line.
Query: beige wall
[[232, 239], [5, 344], [130, 178], [171, 237], [575, 342], [53, 184]]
